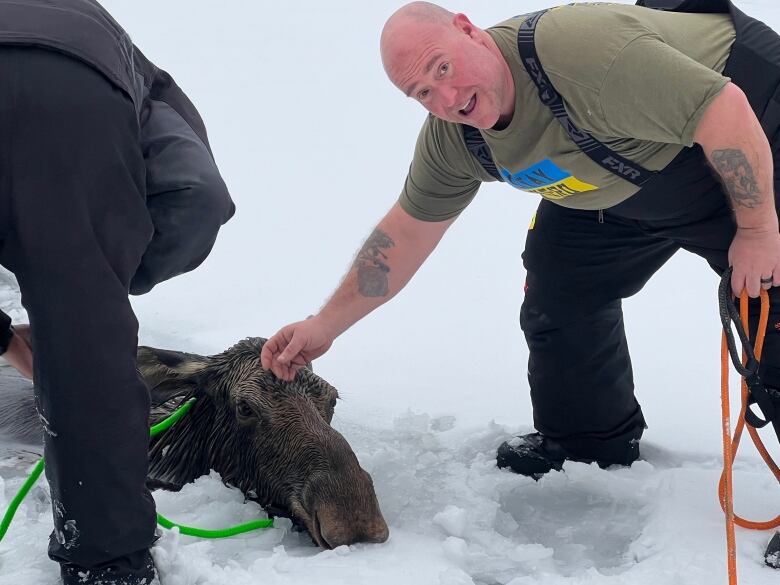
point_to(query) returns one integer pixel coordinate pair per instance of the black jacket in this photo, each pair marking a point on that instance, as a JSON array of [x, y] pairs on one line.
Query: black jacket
[[186, 196]]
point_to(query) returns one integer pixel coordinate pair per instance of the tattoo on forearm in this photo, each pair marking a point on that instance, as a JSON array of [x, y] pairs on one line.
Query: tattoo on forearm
[[372, 267], [738, 177]]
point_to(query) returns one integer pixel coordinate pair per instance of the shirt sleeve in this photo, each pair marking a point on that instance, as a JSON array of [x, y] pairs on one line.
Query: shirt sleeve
[[442, 181], [654, 92]]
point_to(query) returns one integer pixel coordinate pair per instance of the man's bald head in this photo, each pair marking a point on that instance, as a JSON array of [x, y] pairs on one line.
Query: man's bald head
[[420, 12], [406, 23], [452, 67]]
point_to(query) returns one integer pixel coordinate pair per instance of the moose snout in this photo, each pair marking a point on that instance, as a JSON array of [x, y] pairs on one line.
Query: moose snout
[[344, 509], [336, 529]]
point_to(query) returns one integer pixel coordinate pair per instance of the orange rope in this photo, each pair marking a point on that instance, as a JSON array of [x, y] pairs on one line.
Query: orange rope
[[730, 446]]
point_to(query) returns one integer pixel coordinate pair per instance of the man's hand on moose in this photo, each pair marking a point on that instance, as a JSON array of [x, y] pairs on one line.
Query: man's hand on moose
[[294, 346]]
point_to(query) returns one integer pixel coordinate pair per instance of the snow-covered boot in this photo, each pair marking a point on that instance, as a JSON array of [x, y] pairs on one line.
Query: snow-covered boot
[[772, 556], [535, 454], [135, 571], [532, 455]]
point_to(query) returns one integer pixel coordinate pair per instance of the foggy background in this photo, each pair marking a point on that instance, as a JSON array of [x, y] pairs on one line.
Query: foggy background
[[314, 143]]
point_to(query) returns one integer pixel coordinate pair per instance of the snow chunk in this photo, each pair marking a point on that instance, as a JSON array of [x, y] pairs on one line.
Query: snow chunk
[[453, 520], [456, 549], [455, 577]]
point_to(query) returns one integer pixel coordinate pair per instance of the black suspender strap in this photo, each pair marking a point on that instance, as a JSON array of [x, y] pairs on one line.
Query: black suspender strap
[[598, 152], [702, 6], [480, 150]]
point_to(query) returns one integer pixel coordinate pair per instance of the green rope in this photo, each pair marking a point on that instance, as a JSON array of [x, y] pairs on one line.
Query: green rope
[[26, 487], [164, 425], [161, 520], [202, 533]]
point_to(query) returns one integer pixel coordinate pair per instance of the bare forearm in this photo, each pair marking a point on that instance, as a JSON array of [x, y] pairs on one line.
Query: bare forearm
[[735, 145], [739, 152], [747, 174], [385, 263]]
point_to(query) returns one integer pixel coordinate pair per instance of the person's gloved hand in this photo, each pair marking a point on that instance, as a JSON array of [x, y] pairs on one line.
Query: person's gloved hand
[[19, 353]]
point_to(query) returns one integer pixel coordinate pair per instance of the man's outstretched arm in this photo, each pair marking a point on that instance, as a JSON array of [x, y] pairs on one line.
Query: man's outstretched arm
[[738, 150], [384, 264]]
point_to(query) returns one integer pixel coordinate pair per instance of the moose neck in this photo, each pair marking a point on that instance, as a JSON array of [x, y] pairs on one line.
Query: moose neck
[[188, 449]]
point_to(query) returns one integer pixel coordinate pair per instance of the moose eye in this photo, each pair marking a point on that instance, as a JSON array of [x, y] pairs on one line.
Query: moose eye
[[244, 410]]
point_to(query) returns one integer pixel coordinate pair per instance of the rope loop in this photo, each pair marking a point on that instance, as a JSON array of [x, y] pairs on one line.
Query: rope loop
[[753, 392]]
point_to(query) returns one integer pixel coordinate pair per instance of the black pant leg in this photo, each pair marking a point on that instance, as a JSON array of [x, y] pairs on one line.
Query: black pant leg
[[579, 367], [78, 228], [683, 206]]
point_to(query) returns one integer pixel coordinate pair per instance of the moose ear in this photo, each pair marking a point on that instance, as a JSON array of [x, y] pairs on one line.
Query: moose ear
[[199, 383], [169, 373], [171, 388]]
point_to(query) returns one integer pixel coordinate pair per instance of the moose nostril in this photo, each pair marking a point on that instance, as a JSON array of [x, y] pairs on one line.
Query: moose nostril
[[380, 533], [319, 538], [336, 530]]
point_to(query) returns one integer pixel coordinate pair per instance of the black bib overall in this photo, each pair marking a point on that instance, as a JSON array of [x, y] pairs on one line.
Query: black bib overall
[[581, 264]]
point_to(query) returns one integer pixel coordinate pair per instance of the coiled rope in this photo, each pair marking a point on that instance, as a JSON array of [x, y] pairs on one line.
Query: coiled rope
[[753, 392]]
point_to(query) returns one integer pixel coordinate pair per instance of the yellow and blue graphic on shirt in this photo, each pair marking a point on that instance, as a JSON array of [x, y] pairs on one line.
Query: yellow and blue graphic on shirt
[[545, 178]]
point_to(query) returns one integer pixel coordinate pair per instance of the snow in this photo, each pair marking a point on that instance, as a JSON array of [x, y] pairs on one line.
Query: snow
[[314, 144], [455, 518]]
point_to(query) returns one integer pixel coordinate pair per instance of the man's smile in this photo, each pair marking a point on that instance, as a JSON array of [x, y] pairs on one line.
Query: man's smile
[[469, 107]]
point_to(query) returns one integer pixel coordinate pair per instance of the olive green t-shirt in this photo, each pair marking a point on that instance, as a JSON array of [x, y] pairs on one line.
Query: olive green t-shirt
[[638, 80]]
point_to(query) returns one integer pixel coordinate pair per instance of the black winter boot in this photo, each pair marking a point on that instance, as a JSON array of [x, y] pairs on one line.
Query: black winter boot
[[534, 455], [132, 570]]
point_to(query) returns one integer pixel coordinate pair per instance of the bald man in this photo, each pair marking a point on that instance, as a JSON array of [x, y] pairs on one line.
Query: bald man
[[662, 145]]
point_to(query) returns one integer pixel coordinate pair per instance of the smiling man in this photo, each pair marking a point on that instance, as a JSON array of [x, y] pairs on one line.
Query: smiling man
[[642, 132], [481, 94]]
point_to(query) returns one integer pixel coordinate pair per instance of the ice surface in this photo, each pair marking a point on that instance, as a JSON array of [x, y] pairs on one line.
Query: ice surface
[[453, 516]]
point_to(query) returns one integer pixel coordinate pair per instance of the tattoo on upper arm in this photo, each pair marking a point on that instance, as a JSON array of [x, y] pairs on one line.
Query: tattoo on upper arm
[[372, 267], [738, 176]]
